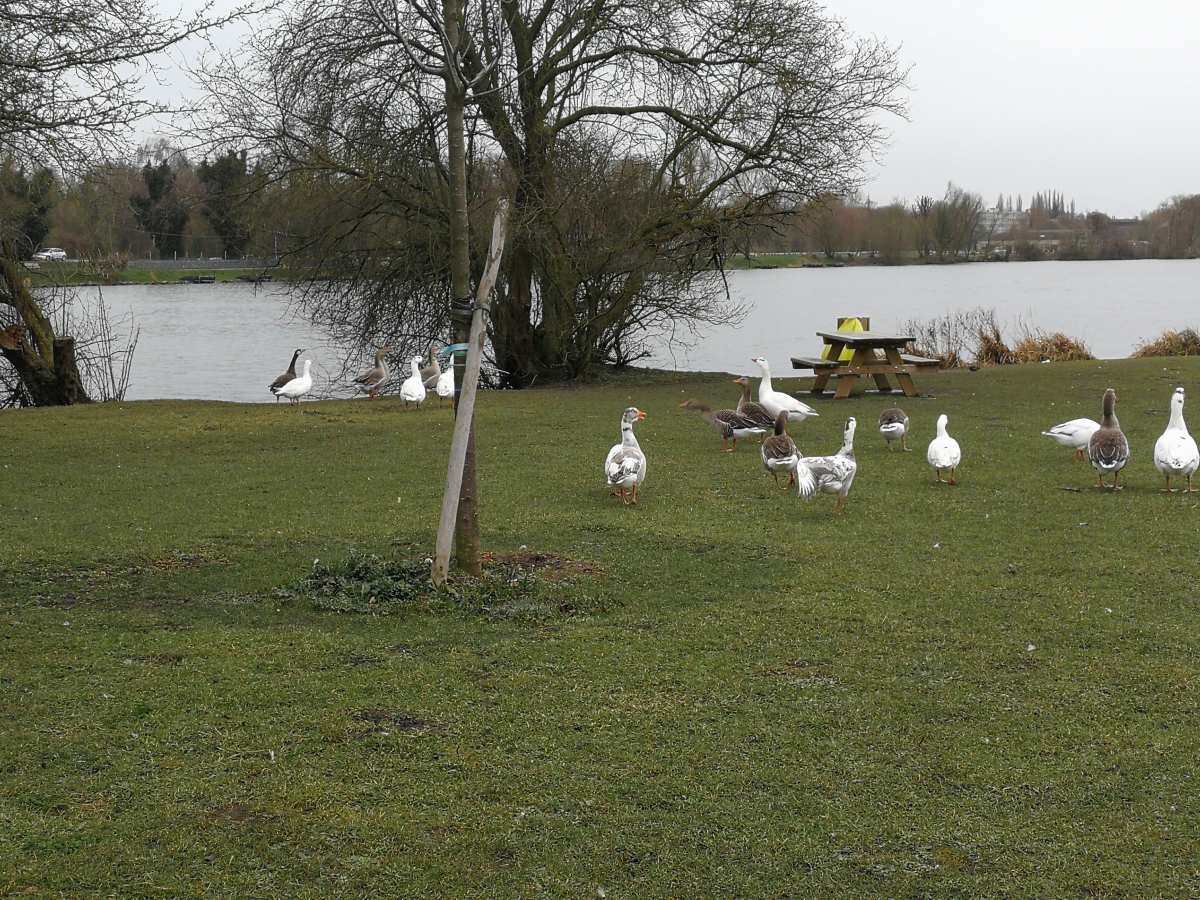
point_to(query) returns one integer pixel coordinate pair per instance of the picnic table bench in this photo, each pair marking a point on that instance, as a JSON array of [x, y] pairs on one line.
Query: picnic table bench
[[874, 354]]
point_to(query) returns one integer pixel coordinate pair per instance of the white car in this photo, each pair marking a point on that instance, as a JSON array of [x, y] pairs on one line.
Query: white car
[[50, 253]]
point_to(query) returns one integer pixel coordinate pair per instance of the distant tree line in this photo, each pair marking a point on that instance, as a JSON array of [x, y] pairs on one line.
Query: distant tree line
[[959, 225]]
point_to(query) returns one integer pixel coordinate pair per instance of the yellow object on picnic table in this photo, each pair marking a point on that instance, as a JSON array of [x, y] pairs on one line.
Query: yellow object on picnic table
[[851, 324]]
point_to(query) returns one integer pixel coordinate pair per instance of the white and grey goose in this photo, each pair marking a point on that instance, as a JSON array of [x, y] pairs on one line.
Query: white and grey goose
[[445, 385], [373, 379], [413, 388], [779, 453], [625, 465], [774, 401], [943, 451], [1108, 450], [829, 474], [1175, 453], [1076, 433], [297, 387], [893, 425]]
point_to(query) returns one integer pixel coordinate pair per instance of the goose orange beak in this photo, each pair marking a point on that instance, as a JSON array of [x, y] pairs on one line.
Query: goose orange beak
[[641, 415]]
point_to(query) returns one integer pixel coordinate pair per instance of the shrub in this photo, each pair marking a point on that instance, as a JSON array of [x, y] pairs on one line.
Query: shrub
[[990, 349], [1171, 343], [1038, 346]]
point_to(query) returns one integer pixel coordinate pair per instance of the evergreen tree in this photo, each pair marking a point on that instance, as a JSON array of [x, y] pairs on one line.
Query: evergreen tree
[[25, 204], [161, 212], [227, 186]]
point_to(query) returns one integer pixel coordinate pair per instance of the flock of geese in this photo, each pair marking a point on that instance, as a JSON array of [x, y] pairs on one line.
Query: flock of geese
[[1102, 443], [427, 377]]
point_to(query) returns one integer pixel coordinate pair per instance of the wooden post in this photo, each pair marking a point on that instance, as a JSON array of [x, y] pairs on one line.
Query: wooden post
[[466, 402]]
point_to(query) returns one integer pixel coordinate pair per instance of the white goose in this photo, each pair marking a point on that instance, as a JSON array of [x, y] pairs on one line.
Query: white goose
[[625, 466], [297, 387], [1076, 433], [1176, 453], [829, 474], [413, 389], [943, 452], [775, 402], [445, 385]]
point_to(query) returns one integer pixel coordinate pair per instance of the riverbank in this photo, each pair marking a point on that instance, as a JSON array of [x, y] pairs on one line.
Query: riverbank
[[722, 692]]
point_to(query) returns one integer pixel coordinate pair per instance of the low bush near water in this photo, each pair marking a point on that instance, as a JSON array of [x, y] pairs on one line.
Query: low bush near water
[[974, 336], [1171, 343]]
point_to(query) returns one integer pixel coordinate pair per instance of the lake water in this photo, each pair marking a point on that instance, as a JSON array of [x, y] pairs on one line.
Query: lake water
[[229, 341]]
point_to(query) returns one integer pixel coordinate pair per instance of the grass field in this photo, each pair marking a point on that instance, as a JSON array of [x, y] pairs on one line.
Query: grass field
[[987, 690], [72, 273]]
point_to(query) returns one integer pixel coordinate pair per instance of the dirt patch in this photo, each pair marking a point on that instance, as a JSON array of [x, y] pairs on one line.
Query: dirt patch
[[383, 721], [548, 565]]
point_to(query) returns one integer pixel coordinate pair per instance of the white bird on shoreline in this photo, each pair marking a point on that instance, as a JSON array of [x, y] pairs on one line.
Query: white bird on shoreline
[[1075, 433], [774, 401], [413, 389], [445, 385], [297, 387], [285, 377], [944, 452], [1175, 453]]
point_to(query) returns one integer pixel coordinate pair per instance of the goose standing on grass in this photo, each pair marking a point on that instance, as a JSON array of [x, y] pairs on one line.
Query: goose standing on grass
[[1176, 453], [829, 474], [1108, 451], [285, 377], [944, 452], [1077, 433], [893, 425], [431, 371], [774, 401], [298, 387], [373, 379], [625, 466], [445, 386], [779, 453], [755, 412], [413, 389], [729, 424]]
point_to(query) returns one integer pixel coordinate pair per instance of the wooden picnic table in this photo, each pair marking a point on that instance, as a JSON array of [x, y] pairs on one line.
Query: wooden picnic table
[[874, 354]]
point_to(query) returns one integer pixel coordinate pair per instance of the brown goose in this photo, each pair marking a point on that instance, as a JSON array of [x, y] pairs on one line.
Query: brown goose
[[730, 425], [431, 371], [779, 454], [755, 412], [893, 423], [1108, 451], [287, 376], [373, 379]]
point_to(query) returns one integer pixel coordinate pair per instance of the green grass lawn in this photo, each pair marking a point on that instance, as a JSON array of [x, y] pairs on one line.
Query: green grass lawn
[[49, 273], [981, 690]]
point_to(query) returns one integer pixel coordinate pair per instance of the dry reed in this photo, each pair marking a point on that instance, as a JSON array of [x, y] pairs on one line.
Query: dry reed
[[1171, 343]]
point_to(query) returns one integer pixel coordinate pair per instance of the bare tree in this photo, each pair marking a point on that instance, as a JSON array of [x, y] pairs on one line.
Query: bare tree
[[730, 114], [68, 94]]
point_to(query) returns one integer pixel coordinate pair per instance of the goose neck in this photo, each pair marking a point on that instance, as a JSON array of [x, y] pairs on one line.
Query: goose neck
[[1177, 417]]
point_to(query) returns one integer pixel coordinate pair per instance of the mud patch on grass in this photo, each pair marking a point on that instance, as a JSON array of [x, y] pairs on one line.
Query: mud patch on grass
[[371, 721]]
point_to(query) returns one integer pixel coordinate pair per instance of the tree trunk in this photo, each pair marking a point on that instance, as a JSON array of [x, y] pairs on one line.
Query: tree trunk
[[45, 364], [466, 532], [512, 320]]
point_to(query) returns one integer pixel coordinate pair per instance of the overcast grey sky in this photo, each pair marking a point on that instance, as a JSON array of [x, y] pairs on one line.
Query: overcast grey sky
[[1099, 99]]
